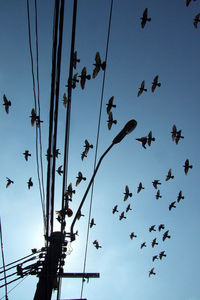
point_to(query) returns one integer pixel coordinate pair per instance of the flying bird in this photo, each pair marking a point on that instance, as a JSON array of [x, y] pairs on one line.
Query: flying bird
[[122, 216], [174, 132], [158, 195], [169, 175], [83, 77], [196, 20], [161, 226], [143, 245], [145, 18], [87, 146], [132, 235], [150, 138], [140, 187], [59, 170], [96, 244], [152, 228], [65, 100], [155, 183], [26, 154], [115, 209], [155, 83], [187, 166], [172, 205], [142, 140], [79, 215], [75, 59], [142, 88], [7, 103], [83, 154], [166, 235], [110, 104], [154, 242], [70, 190], [188, 2], [178, 136], [110, 120], [128, 208], [9, 182], [151, 272], [30, 183], [162, 253], [127, 193], [57, 153], [92, 223], [98, 65], [80, 178], [155, 257], [180, 196]]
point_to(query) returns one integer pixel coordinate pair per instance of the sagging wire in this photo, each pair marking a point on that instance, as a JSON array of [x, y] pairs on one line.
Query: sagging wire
[[3, 260]]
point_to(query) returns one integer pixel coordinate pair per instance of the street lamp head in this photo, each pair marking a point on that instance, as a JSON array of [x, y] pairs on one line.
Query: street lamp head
[[130, 126]]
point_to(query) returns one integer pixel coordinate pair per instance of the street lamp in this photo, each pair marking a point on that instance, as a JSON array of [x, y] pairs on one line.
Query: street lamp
[[128, 128]]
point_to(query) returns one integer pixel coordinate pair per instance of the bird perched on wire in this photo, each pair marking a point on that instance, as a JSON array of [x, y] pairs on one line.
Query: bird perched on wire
[[26, 154], [98, 65], [166, 235], [161, 226], [172, 205], [9, 182], [142, 140], [155, 183], [162, 253], [158, 195], [7, 103], [155, 257], [155, 83], [145, 18], [132, 235], [30, 183], [115, 209], [110, 105], [110, 120], [140, 187], [80, 178], [79, 215], [187, 166], [143, 245], [154, 242], [122, 216], [75, 59], [142, 88], [70, 190], [127, 193], [196, 20], [169, 175], [150, 138], [151, 272], [87, 147], [83, 77], [178, 136], [152, 228], [180, 196], [59, 170], [92, 223]]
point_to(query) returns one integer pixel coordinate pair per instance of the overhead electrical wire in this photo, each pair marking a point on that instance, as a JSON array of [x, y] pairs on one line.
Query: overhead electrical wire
[[3, 260], [97, 143], [14, 287]]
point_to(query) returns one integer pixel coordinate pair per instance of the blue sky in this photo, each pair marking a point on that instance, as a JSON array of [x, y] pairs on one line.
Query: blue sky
[[168, 46]]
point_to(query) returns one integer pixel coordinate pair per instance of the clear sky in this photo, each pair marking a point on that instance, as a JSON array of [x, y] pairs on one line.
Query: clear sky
[[168, 46]]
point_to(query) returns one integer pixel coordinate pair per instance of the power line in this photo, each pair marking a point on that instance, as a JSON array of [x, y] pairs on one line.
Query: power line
[[3, 259]]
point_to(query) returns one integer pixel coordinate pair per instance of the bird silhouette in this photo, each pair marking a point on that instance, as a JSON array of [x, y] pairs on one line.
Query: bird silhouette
[[96, 244], [59, 170], [143, 245], [26, 154], [178, 136], [169, 175], [122, 216], [174, 132], [151, 272], [158, 195], [128, 208], [115, 209], [155, 183], [154, 242], [57, 153], [7, 103], [162, 253], [166, 235], [188, 2], [98, 65], [161, 226], [38, 121], [172, 205], [9, 182], [30, 183], [187, 166], [150, 138], [180, 196], [132, 235], [110, 105], [33, 117], [87, 146], [92, 223], [83, 154], [155, 257], [155, 83], [70, 190], [142, 140], [79, 215], [74, 80], [140, 187], [80, 178], [65, 100], [83, 77], [142, 88], [196, 20], [145, 18], [152, 228], [75, 59], [110, 120], [127, 193]]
